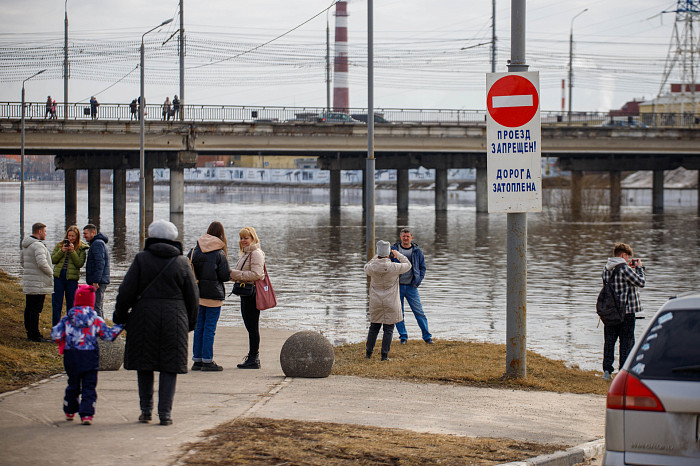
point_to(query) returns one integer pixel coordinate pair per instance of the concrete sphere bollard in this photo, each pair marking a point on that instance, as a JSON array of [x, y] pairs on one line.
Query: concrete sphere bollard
[[111, 354], [307, 354]]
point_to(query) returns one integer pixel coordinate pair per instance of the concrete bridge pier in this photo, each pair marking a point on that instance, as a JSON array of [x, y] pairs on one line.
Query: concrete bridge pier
[[177, 199], [94, 196], [148, 201], [335, 189], [657, 201], [71, 196], [119, 198], [402, 190], [440, 189], [482, 193], [615, 192], [576, 192]]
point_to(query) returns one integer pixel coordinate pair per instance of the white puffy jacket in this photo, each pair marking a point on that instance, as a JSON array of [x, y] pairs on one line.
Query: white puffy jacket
[[38, 273]]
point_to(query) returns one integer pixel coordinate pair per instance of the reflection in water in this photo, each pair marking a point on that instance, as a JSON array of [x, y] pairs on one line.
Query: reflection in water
[[315, 259]]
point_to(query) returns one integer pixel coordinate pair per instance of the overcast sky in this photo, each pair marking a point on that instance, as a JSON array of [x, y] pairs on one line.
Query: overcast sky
[[428, 54]]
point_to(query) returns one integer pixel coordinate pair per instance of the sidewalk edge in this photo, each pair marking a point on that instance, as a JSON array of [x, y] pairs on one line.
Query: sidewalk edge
[[573, 455]]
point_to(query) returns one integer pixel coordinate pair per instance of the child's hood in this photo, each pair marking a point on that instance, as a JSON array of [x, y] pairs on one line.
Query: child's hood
[[81, 316]]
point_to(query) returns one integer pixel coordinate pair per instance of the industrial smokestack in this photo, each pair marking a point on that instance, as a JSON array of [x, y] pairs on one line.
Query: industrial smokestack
[[341, 90]]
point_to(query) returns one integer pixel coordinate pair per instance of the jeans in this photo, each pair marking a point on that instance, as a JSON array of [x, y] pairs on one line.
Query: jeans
[[386, 339], [33, 306], [251, 318], [62, 286], [203, 345], [623, 331], [166, 392], [410, 292], [99, 299]]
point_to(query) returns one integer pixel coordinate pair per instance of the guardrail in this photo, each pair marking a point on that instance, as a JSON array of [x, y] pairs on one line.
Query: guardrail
[[251, 114]]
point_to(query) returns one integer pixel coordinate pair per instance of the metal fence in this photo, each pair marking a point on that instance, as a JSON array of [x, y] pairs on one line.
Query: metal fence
[[251, 114]]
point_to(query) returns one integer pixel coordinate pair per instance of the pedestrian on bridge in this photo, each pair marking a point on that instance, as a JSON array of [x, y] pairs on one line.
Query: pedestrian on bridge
[[93, 107], [166, 109], [176, 107], [49, 103], [133, 106]]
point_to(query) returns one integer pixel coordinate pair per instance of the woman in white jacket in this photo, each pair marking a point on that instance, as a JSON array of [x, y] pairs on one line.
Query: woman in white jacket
[[384, 301]]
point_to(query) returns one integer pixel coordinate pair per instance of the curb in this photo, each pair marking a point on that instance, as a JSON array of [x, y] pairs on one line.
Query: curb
[[570, 457]]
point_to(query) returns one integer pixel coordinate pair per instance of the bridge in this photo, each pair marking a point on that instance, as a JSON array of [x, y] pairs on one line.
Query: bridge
[[410, 138]]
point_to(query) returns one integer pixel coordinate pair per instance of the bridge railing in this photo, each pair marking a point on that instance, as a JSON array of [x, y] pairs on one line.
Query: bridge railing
[[272, 114]]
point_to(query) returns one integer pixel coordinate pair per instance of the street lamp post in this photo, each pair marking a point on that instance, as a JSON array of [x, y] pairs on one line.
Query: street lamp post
[[21, 184], [571, 59], [142, 160]]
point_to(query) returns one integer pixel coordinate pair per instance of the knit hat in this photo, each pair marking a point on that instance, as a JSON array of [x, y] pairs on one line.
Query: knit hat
[[85, 296], [162, 229], [383, 248]]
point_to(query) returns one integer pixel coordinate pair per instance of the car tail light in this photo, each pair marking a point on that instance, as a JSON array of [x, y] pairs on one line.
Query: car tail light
[[630, 393]]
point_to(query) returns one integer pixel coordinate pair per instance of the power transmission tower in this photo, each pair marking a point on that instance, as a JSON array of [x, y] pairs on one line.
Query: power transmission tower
[[683, 55]]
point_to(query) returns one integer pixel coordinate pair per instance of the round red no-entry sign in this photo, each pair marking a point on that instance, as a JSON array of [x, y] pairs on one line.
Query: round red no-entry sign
[[512, 101]]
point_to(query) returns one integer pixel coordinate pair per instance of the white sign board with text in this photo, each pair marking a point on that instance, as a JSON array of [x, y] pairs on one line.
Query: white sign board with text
[[513, 142]]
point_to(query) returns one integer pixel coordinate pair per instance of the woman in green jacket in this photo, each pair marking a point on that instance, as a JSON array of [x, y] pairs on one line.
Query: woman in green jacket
[[68, 256]]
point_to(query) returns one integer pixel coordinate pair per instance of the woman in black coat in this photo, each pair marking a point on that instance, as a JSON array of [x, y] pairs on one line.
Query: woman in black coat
[[157, 302], [211, 268]]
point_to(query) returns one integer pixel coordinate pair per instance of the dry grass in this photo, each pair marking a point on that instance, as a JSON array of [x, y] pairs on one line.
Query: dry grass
[[268, 441], [465, 363], [23, 362]]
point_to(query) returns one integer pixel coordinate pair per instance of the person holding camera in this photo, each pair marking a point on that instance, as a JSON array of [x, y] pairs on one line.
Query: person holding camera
[[384, 301], [626, 281], [68, 257]]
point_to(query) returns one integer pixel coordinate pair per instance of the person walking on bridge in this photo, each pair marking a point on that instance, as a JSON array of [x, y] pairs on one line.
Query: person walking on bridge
[[166, 109]]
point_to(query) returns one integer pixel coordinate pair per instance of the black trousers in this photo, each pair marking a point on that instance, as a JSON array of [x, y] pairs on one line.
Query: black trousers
[[81, 393], [386, 339], [166, 392], [251, 319], [625, 332], [33, 305]]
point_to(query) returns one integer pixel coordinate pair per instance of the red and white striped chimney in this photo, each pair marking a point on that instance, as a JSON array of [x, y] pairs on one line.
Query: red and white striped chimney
[[563, 96], [341, 89]]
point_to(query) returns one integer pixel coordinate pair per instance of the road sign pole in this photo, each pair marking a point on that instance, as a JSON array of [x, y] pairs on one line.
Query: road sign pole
[[516, 299]]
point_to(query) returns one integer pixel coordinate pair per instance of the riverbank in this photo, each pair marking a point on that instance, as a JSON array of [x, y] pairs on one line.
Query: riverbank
[[384, 412]]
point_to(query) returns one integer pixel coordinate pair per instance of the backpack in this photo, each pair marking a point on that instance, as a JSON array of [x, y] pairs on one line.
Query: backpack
[[608, 305]]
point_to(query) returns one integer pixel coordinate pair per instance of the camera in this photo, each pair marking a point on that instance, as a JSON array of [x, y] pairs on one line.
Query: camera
[[66, 241]]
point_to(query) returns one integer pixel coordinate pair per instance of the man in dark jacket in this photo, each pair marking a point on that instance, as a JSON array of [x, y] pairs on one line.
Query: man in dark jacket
[[97, 264], [409, 283], [157, 302]]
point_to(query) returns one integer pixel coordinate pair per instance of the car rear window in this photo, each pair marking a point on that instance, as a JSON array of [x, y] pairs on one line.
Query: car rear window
[[671, 348]]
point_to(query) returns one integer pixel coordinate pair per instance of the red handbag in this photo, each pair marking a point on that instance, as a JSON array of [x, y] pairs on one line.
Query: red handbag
[[264, 294]]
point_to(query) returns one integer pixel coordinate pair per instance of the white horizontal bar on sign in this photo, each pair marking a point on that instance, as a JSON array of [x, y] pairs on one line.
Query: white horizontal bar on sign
[[502, 101]]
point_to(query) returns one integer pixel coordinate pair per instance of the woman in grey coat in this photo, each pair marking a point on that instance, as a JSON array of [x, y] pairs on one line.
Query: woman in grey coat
[[157, 303], [384, 301]]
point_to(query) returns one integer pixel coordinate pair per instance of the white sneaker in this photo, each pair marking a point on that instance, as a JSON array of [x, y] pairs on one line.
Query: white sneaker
[[607, 376]]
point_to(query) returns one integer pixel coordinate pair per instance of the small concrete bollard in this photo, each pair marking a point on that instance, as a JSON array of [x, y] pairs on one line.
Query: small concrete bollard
[[307, 354], [111, 354]]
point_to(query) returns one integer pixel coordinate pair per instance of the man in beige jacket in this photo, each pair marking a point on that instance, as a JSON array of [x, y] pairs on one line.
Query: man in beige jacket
[[384, 302], [37, 279]]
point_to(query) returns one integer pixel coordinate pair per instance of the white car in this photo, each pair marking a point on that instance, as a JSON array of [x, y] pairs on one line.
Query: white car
[[653, 404]]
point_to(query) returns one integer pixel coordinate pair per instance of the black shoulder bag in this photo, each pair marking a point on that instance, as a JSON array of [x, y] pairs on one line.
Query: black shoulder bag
[[243, 289]]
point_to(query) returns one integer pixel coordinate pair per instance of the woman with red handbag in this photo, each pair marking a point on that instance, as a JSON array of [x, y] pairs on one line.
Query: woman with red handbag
[[249, 268]]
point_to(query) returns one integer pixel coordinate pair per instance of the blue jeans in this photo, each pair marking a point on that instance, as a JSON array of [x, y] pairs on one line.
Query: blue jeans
[[410, 292], [203, 345], [62, 286]]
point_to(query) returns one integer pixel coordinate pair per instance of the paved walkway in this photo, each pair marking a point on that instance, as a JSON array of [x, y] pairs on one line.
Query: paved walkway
[[33, 429]]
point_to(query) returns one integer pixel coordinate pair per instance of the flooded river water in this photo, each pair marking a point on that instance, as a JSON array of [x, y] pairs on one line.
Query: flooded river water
[[315, 259]]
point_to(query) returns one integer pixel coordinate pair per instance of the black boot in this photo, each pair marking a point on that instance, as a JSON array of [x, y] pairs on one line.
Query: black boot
[[252, 361]]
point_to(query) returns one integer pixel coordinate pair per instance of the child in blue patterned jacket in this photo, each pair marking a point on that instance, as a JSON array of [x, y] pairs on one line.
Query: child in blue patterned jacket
[[77, 334]]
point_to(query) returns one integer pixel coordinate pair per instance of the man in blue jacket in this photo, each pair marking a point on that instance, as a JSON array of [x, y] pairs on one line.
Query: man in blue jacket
[[97, 264], [409, 283]]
